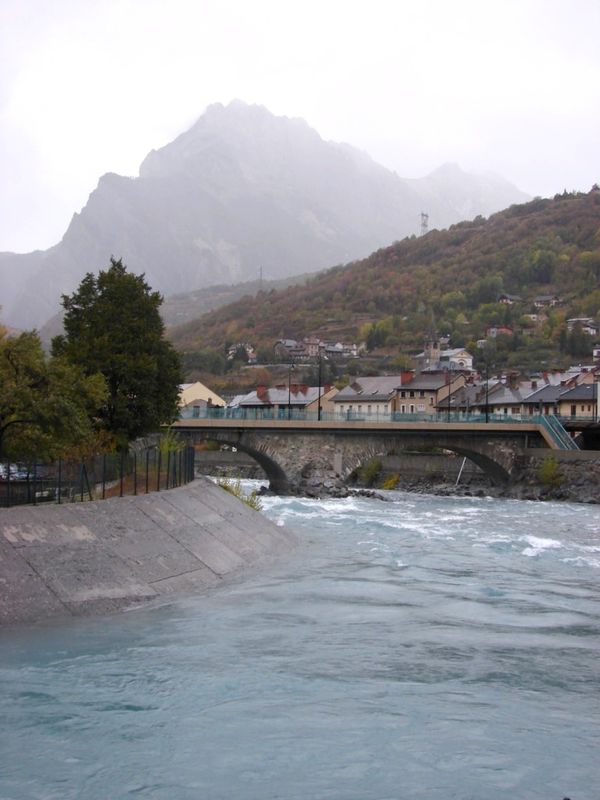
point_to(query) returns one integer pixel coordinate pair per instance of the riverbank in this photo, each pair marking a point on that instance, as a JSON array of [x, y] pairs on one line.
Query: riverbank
[[569, 476], [76, 559], [540, 474]]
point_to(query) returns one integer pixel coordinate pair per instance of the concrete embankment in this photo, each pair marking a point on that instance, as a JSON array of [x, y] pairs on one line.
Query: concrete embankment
[[94, 558]]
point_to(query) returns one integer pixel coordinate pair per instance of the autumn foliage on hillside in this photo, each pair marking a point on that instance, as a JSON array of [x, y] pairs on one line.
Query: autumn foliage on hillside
[[453, 277]]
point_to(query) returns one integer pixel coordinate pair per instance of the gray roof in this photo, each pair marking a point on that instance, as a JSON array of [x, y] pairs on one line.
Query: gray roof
[[585, 392], [547, 394], [282, 396], [505, 395], [433, 381], [375, 388]]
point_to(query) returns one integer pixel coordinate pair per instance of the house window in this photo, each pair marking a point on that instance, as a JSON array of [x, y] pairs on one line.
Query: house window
[[421, 407], [360, 409], [431, 401], [385, 409], [421, 393], [196, 412], [403, 409], [402, 394], [368, 409], [573, 411], [412, 408], [411, 394]]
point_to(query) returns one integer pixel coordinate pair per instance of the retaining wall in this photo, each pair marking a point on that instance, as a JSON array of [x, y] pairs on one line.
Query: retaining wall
[[89, 558]]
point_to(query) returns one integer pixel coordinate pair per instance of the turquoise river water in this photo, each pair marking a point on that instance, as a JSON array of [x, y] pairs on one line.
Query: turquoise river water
[[420, 649]]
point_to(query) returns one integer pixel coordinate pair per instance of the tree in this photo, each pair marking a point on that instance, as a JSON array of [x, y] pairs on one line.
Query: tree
[[113, 326], [46, 405]]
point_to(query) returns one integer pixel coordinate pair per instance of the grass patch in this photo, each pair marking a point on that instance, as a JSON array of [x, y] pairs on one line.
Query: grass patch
[[234, 487]]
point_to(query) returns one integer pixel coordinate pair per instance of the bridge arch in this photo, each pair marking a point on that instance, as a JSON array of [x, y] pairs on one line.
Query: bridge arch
[[279, 482]]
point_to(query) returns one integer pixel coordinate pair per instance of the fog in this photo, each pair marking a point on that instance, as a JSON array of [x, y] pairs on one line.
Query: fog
[[511, 87]]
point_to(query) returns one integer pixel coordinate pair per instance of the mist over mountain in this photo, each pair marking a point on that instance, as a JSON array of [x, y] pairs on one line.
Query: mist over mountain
[[241, 191]]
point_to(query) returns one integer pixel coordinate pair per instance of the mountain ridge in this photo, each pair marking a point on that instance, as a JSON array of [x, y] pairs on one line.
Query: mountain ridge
[[240, 190]]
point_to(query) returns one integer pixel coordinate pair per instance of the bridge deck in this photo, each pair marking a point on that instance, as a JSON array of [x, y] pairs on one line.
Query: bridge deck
[[492, 427]]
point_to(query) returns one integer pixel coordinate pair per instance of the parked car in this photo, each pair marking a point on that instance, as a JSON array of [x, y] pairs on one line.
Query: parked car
[[17, 472]]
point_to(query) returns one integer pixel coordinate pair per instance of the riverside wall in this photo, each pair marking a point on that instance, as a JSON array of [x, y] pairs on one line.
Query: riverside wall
[[71, 560]]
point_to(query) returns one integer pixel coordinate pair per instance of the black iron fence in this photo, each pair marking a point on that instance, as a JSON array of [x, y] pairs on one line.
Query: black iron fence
[[95, 478]]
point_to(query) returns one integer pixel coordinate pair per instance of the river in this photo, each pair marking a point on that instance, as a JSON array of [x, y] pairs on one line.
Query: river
[[424, 648]]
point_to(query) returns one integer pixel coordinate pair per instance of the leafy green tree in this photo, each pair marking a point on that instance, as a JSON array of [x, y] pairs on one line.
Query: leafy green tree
[[46, 405], [113, 326]]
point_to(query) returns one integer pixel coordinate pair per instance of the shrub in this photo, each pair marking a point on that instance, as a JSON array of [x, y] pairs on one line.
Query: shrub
[[369, 472], [391, 481], [549, 472]]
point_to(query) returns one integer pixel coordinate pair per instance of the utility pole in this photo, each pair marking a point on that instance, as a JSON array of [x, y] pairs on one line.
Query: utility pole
[[424, 223]]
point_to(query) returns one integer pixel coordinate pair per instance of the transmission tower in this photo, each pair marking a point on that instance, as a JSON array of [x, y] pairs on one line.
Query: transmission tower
[[424, 223]]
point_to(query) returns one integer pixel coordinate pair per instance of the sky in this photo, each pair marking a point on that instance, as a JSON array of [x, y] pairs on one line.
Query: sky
[[91, 86]]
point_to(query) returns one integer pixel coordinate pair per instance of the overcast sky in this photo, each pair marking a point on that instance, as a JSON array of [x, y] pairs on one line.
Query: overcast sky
[[90, 86]]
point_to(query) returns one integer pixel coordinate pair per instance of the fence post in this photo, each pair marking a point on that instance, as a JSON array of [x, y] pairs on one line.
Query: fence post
[[87, 481]]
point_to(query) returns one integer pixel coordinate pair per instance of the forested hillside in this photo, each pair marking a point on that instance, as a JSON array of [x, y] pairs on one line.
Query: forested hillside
[[452, 278]]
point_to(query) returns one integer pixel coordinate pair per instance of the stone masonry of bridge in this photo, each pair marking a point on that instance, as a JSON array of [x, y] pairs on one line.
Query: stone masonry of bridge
[[300, 460]]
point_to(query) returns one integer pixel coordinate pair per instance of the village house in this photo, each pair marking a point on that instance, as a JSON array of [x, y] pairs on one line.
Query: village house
[[586, 324], [289, 349], [492, 331], [284, 400], [436, 358], [543, 401], [242, 347], [509, 299], [547, 301], [427, 391], [371, 396], [581, 401], [312, 348], [195, 397]]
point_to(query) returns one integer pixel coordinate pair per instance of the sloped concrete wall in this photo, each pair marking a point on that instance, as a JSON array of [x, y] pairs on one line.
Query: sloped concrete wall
[[89, 558]]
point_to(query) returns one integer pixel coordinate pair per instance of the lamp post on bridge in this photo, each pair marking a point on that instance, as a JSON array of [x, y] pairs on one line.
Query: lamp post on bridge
[[487, 391], [320, 385], [291, 368]]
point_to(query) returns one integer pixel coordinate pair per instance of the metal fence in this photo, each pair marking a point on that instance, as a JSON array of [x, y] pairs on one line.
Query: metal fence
[[95, 478]]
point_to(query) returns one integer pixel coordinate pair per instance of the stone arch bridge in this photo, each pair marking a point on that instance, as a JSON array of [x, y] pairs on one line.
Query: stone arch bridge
[[290, 452]]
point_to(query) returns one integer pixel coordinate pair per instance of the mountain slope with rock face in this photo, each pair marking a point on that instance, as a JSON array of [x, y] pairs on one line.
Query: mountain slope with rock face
[[241, 191]]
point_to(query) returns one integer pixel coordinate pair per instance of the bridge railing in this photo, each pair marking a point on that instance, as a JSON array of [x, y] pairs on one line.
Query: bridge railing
[[295, 415], [558, 433]]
